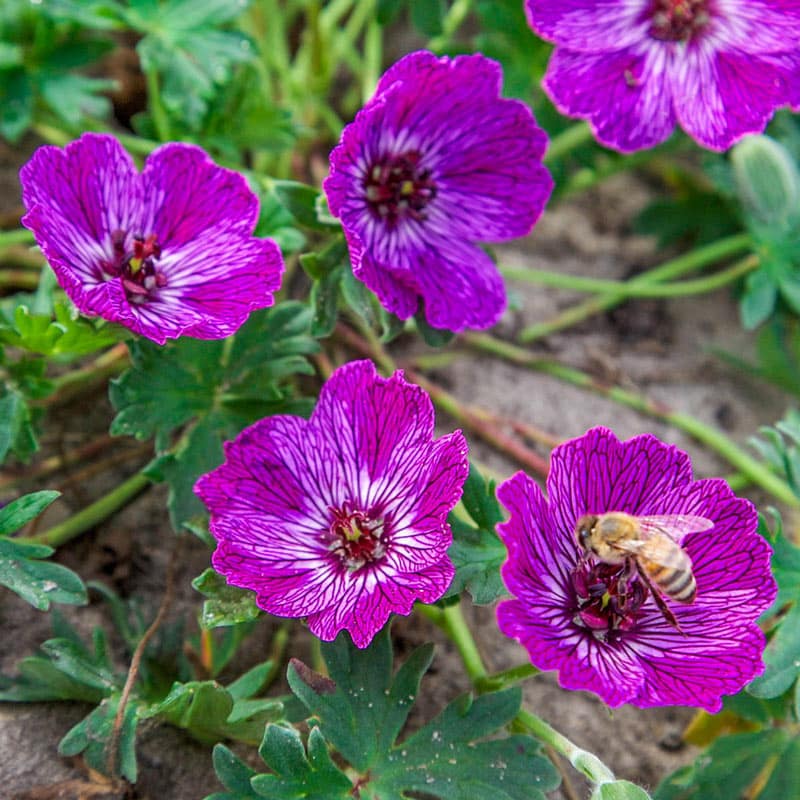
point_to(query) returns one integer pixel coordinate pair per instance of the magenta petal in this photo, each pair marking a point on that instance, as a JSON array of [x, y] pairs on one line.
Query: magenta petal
[[725, 96], [188, 195], [623, 95], [590, 26]]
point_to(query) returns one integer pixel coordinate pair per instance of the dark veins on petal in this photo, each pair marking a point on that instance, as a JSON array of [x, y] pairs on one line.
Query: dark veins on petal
[[607, 598], [678, 20], [134, 261], [397, 187], [356, 537]]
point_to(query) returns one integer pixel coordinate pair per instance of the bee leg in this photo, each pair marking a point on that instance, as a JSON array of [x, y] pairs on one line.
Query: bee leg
[[659, 600]]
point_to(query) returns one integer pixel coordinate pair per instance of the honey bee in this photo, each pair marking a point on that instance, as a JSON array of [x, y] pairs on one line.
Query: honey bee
[[650, 544]]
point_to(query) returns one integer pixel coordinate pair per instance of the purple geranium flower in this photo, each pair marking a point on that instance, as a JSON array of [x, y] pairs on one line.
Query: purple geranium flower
[[340, 518], [167, 252], [435, 162], [634, 68], [597, 623]]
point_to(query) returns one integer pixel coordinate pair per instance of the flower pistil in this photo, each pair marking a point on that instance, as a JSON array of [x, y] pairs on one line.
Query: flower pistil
[[356, 537], [134, 261], [608, 597]]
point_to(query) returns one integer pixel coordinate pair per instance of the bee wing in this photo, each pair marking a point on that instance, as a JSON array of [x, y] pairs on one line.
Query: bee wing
[[675, 526]]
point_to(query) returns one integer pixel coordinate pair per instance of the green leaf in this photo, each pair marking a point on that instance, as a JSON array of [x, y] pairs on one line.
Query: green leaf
[[302, 202], [192, 58], [427, 16], [444, 759], [359, 298], [234, 775], [225, 605], [619, 790], [209, 712], [16, 427], [388, 11], [701, 217], [362, 708], [38, 582], [74, 97], [297, 774], [166, 386], [69, 336], [781, 657], [325, 302], [92, 735], [220, 387], [21, 511], [16, 104], [477, 551], [66, 670], [768, 181], [433, 337], [760, 766], [758, 300]]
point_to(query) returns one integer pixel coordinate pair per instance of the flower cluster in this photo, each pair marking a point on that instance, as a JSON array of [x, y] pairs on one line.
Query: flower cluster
[[435, 162], [340, 518], [636, 68], [596, 620], [167, 252]]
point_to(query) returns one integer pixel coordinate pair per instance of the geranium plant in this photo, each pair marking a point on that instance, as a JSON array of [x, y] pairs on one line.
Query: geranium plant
[[254, 257]]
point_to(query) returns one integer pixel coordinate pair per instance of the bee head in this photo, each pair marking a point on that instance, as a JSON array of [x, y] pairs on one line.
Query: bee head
[[583, 531]]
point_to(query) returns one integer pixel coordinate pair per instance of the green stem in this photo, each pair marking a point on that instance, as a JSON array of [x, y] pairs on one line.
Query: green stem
[[106, 366], [562, 143], [52, 134], [584, 762], [628, 289], [508, 677], [157, 110], [752, 469], [93, 514], [18, 279], [688, 262], [453, 20], [373, 59], [451, 621], [19, 236]]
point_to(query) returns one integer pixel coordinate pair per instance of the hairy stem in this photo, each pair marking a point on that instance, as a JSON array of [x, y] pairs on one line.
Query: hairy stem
[[157, 110], [584, 762], [674, 268], [752, 469], [95, 513], [451, 621], [18, 236], [508, 677], [75, 383], [133, 670], [562, 143], [453, 20], [627, 289]]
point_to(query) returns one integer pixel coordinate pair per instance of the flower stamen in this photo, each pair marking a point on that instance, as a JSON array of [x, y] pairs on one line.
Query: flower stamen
[[399, 187], [678, 20]]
